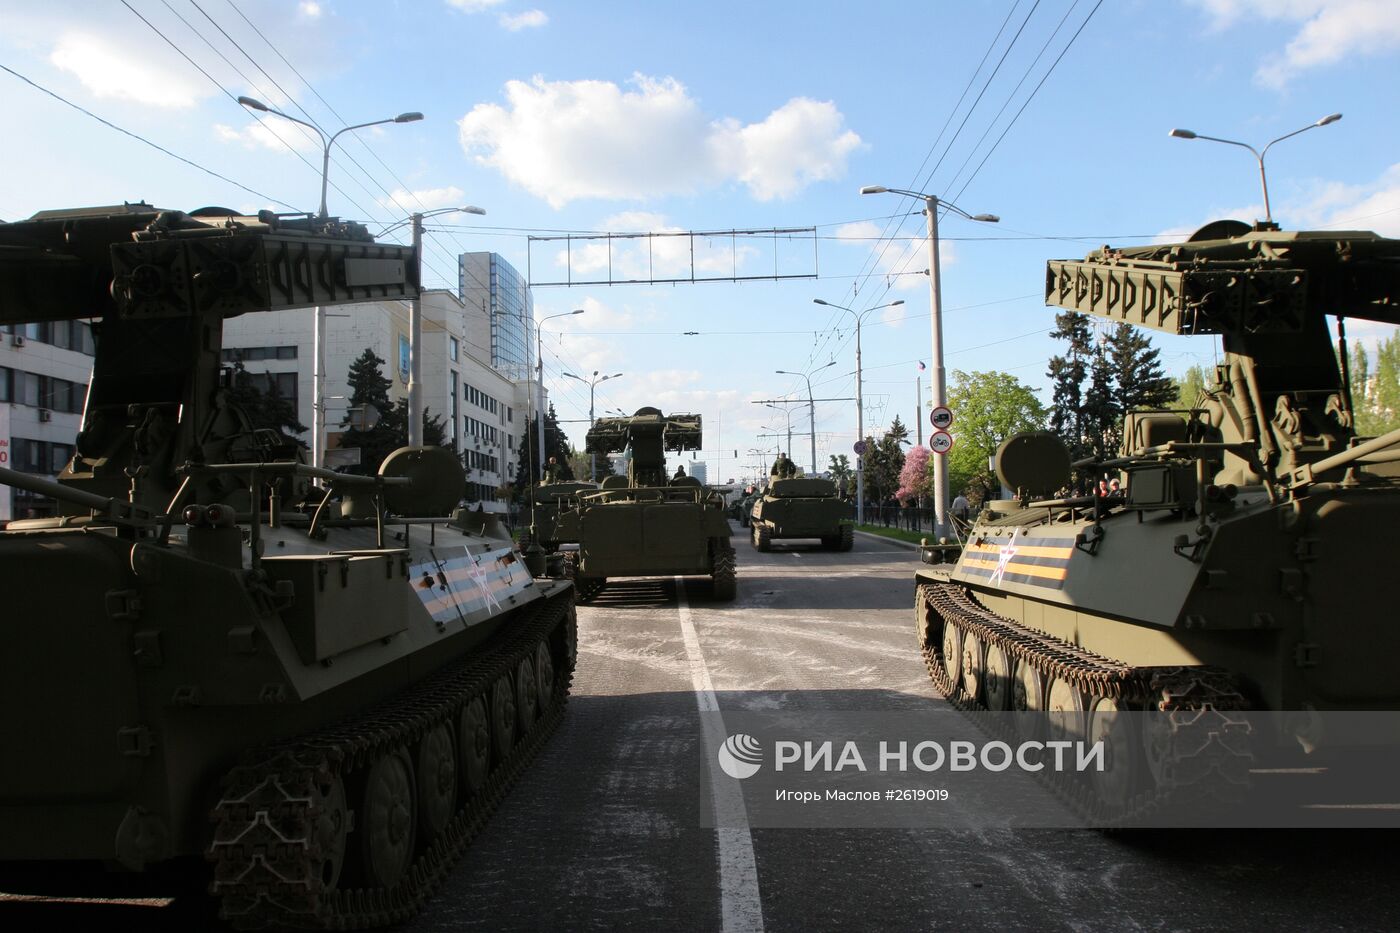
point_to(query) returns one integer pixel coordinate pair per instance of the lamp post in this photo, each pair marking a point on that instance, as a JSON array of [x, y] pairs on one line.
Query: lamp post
[[811, 407], [415, 320], [327, 141], [938, 381], [786, 413], [860, 404], [592, 384], [539, 383], [1258, 154], [318, 376]]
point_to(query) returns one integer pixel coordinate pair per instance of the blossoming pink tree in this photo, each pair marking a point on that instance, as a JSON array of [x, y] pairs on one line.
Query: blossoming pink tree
[[914, 479]]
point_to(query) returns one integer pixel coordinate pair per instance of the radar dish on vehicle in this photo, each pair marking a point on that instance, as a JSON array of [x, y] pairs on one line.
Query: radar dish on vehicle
[[1220, 230], [1034, 462], [438, 481]]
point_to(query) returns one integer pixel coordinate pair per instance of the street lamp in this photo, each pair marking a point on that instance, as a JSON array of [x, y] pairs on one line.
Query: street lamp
[[1259, 155], [415, 320], [539, 382], [860, 405], [811, 406], [592, 384], [318, 340], [935, 285], [327, 141]]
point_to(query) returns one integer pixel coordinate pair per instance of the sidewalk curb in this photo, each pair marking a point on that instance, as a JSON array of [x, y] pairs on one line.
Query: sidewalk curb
[[874, 537]]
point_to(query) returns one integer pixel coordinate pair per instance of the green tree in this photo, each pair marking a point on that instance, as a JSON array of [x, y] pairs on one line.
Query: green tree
[[1139, 383], [369, 386], [556, 445], [1100, 415], [839, 467], [884, 461], [1190, 386], [1376, 389], [265, 408], [989, 407], [1066, 375]]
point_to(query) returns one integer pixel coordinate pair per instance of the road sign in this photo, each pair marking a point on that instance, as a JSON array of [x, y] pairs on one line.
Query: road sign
[[941, 417], [940, 442], [859, 447]]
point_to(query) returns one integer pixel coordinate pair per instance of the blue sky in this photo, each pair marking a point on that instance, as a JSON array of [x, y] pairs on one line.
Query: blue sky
[[637, 117]]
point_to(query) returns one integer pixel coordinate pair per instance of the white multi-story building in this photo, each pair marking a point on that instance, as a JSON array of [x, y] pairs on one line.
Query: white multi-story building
[[483, 410], [44, 374]]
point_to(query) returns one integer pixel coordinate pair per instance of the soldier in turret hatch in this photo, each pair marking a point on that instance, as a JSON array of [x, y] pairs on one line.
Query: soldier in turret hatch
[[783, 467], [553, 473]]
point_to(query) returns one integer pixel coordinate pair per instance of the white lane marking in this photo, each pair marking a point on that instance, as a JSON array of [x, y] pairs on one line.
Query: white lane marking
[[741, 910]]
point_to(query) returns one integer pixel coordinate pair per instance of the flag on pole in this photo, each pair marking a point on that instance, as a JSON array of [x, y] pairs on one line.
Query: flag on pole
[[922, 367]]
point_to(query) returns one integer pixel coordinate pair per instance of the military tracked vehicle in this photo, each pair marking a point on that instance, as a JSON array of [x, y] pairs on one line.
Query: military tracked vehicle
[[1244, 565], [211, 676], [549, 500], [642, 524], [802, 507]]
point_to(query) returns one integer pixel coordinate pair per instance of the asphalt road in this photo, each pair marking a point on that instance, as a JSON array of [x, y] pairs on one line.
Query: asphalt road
[[604, 831]]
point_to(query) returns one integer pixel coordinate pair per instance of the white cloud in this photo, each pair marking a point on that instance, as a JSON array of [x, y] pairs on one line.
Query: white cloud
[[424, 199], [1372, 206], [267, 136], [1326, 205], [110, 71], [530, 19], [565, 140], [1330, 31], [474, 6], [801, 142], [588, 341], [651, 257], [901, 263]]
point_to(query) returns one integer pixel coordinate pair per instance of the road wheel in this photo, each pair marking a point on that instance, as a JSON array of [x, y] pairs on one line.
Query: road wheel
[[437, 782], [973, 669], [387, 821], [848, 537], [1124, 765], [544, 675], [997, 687], [763, 537], [474, 745], [527, 705], [952, 653], [1064, 705], [332, 826], [1028, 692], [925, 617], [502, 717]]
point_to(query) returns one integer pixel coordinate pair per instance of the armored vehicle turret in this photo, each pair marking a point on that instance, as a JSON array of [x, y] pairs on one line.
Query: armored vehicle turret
[[802, 507], [645, 524], [1245, 564], [214, 673]]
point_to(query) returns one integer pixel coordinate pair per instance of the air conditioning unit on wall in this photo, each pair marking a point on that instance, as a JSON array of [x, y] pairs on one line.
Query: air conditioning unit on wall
[[17, 340], [45, 415]]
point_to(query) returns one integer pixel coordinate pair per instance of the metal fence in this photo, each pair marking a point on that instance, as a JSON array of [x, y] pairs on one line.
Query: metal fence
[[917, 520]]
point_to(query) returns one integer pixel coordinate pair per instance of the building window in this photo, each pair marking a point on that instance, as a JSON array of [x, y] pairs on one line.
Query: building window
[[452, 419], [255, 354], [452, 350]]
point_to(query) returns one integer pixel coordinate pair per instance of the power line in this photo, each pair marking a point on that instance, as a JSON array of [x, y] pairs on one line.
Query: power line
[[139, 138]]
